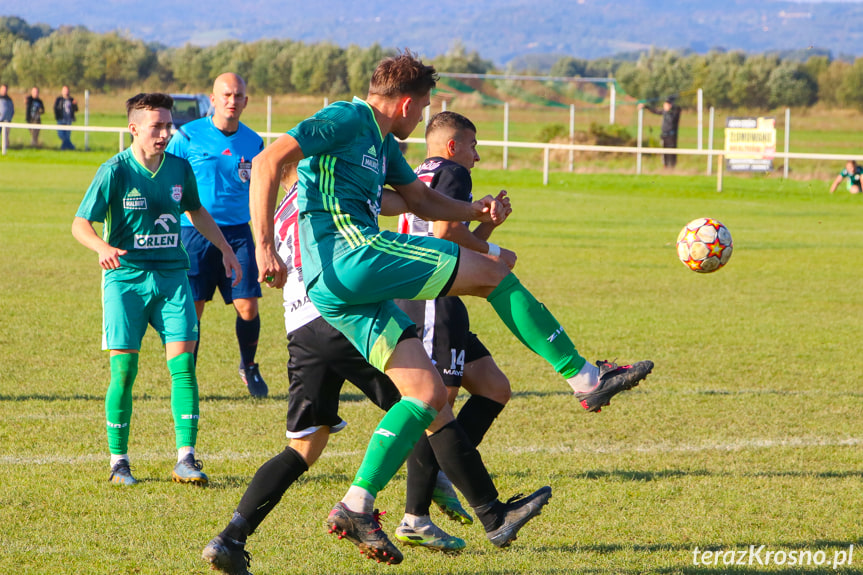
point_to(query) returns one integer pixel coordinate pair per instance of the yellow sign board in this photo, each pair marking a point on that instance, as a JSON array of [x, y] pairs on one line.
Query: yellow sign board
[[750, 144]]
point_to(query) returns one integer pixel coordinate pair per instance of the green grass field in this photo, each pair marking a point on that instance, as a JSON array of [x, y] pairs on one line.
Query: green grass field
[[747, 433]]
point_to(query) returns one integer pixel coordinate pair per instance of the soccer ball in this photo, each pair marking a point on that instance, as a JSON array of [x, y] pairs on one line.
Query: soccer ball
[[704, 245]]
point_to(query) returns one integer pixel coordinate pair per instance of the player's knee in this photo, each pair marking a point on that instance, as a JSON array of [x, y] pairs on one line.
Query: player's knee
[[311, 446], [247, 308], [500, 393]]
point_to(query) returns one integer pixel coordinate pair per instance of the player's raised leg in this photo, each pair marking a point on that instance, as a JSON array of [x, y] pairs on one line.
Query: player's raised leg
[[534, 325]]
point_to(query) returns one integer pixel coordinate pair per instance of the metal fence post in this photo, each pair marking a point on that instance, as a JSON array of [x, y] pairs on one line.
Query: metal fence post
[[638, 142], [571, 136], [86, 119], [505, 134], [710, 142], [700, 116], [269, 117], [612, 103], [545, 166], [787, 140]]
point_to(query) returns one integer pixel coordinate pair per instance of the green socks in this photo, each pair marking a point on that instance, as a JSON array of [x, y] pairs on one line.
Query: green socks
[[184, 399], [392, 442], [118, 401], [532, 323]]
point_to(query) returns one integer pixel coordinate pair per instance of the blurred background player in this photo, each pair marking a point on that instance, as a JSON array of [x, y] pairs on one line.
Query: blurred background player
[[140, 194], [851, 171], [220, 149]]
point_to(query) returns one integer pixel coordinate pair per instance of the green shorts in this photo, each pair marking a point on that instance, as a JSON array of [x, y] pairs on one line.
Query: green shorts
[[355, 292], [132, 299]]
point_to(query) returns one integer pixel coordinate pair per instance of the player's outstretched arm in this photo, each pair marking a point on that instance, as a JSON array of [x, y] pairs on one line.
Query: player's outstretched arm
[[109, 256], [263, 190], [204, 223], [836, 183], [431, 205], [392, 204]]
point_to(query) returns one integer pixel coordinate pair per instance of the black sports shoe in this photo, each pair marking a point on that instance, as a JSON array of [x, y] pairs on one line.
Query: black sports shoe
[[364, 531], [252, 378], [612, 380], [227, 555], [517, 512]]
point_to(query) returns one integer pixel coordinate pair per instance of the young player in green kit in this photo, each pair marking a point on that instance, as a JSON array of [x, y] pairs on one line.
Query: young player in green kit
[[140, 194]]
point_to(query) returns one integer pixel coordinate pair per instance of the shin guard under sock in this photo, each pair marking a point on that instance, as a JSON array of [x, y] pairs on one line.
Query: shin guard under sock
[[248, 333], [265, 491], [118, 401], [532, 323], [463, 464], [477, 415], [184, 399], [392, 442], [422, 467]]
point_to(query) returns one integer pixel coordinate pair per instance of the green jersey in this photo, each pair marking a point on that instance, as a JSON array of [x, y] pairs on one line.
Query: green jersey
[[853, 177], [347, 162], [141, 209]]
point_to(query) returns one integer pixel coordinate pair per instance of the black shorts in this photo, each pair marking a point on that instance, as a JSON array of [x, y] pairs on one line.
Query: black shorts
[[321, 359], [444, 328]]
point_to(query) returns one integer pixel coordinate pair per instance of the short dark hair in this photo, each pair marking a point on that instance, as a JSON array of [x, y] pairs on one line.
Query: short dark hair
[[151, 101], [403, 74], [449, 120]]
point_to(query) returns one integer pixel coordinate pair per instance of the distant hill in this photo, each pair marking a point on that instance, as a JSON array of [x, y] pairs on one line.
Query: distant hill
[[500, 30]]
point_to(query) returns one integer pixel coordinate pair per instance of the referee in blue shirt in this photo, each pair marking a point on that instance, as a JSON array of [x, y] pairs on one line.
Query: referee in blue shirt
[[220, 149]]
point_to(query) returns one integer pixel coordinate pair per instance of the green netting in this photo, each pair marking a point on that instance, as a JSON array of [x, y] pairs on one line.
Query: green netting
[[540, 93]]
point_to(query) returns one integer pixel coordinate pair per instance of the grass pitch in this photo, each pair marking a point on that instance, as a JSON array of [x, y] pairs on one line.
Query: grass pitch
[[747, 433]]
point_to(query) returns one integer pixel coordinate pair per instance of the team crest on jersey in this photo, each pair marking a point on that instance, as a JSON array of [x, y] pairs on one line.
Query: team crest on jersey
[[134, 200], [177, 193], [244, 170]]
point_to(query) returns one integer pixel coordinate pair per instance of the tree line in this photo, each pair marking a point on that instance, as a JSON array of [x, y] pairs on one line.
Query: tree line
[[37, 55]]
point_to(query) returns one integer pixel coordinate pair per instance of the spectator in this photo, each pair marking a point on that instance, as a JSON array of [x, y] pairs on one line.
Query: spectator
[[670, 113], [7, 110], [65, 107], [34, 109]]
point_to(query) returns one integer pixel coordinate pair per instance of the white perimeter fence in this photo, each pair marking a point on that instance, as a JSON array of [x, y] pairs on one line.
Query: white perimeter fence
[[638, 151]]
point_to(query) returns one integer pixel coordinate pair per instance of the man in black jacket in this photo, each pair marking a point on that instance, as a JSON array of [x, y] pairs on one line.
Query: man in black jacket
[[34, 109], [670, 113], [65, 107]]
